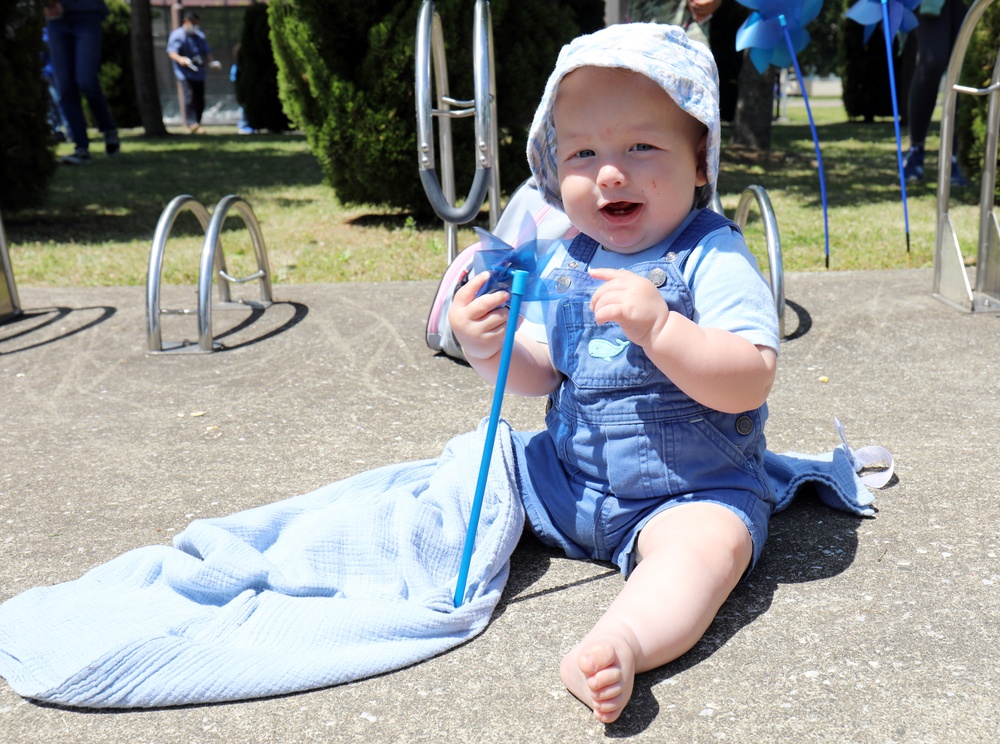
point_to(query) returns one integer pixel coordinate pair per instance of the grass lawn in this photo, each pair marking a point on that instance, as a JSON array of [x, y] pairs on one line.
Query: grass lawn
[[99, 222]]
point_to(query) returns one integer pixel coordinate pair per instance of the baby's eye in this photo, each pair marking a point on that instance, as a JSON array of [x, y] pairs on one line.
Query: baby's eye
[[585, 153], [642, 147]]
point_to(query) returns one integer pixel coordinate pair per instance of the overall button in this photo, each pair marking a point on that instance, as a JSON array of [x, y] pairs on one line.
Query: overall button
[[671, 256], [744, 425], [563, 283], [657, 277], [572, 265]]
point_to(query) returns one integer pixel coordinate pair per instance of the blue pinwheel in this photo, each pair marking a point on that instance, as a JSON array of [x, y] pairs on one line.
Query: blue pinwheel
[[896, 17], [518, 271], [869, 13], [774, 22], [763, 34], [530, 255], [518, 277]]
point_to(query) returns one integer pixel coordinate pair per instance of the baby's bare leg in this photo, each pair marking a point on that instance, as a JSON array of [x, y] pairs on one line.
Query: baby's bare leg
[[692, 558]]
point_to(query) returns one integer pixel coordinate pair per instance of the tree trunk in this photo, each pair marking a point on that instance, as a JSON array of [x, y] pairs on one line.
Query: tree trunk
[[144, 68], [754, 107]]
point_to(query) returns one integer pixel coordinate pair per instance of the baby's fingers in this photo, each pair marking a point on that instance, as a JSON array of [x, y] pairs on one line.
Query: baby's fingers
[[605, 274], [467, 292], [466, 295]]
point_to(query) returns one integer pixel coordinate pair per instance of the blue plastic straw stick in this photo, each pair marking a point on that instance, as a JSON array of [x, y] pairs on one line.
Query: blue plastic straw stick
[[812, 126], [516, 292], [895, 119]]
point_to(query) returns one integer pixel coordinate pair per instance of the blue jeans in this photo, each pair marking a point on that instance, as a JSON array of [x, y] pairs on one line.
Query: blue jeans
[[75, 51], [936, 37]]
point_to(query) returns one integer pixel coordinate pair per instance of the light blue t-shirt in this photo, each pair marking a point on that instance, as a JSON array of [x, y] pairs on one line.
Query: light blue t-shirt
[[728, 289]]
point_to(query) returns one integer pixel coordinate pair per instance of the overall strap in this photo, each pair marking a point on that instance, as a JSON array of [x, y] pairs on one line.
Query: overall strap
[[582, 249], [705, 221]]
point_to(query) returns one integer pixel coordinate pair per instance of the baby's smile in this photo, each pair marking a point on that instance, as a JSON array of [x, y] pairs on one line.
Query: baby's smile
[[620, 209]]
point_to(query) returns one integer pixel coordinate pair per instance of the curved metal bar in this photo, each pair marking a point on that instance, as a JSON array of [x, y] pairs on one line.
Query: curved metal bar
[[988, 261], [10, 306], [775, 266], [489, 143], [716, 205], [430, 49], [951, 283], [154, 340], [212, 259]]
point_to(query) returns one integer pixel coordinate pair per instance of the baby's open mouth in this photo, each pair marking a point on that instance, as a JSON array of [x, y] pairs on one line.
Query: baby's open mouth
[[620, 209]]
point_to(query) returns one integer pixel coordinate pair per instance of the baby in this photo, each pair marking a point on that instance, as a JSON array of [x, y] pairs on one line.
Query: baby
[[657, 358]]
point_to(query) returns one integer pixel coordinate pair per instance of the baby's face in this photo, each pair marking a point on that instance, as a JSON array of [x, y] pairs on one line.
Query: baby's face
[[629, 159]]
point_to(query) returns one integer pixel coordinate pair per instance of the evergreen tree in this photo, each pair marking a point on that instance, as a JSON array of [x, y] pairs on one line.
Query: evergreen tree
[[27, 147]]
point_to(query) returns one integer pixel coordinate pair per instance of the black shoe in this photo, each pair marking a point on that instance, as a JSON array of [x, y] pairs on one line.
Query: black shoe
[[957, 179], [79, 157], [112, 145], [913, 165]]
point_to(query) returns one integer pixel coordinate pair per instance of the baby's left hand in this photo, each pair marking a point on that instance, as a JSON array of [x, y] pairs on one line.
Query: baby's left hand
[[631, 301]]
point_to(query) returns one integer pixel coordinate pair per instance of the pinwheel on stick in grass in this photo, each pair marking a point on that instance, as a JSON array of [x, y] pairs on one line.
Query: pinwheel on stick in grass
[[896, 16], [775, 33]]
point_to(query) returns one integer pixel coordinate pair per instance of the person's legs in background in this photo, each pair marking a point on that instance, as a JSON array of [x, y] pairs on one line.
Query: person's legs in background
[[75, 50], [194, 104], [88, 65], [62, 51], [198, 95], [935, 38]]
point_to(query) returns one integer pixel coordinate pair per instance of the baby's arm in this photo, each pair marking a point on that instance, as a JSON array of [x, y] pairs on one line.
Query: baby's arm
[[479, 324], [714, 367]]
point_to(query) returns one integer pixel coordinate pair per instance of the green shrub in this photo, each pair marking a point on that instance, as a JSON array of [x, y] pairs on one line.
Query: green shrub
[[257, 74], [346, 71], [976, 72], [27, 148]]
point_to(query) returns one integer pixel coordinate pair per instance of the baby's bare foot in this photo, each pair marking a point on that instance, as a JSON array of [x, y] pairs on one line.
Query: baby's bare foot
[[600, 672]]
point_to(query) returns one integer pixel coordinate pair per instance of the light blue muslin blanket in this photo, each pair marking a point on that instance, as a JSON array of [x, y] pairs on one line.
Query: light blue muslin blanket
[[351, 580]]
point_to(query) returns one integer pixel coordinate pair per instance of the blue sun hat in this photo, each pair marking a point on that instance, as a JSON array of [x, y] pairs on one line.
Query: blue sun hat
[[685, 69]]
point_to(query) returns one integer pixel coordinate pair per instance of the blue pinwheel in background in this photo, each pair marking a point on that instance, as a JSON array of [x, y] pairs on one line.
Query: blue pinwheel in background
[[763, 34], [896, 17], [901, 18], [775, 33]]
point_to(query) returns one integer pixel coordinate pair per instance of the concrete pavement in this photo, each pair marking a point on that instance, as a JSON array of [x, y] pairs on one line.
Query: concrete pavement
[[867, 630]]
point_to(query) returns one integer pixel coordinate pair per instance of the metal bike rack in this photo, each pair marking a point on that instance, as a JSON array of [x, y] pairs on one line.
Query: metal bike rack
[[10, 304], [213, 261], [430, 49], [757, 194], [951, 280]]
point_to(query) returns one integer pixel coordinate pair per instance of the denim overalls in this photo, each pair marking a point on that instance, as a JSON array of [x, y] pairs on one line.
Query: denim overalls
[[622, 441]]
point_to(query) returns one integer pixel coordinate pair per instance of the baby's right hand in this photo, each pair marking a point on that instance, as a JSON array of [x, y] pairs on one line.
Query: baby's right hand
[[479, 323]]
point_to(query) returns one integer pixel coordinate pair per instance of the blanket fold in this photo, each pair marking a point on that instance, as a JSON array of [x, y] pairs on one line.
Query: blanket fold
[[349, 581]]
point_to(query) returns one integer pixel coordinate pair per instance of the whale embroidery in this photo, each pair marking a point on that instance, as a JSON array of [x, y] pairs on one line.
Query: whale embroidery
[[598, 348]]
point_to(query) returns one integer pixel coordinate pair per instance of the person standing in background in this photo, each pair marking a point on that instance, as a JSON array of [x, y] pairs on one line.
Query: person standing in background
[[74, 33], [191, 55], [940, 21], [691, 15], [242, 127]]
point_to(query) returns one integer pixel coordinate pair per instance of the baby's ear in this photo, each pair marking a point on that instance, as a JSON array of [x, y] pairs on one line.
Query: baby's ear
[[702, 159]]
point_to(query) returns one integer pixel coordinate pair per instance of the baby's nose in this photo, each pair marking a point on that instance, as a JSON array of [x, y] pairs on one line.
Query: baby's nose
[[610, 176]]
